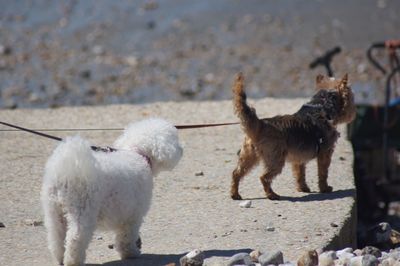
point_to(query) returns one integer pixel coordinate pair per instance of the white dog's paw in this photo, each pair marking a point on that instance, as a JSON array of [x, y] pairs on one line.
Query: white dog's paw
[[130, 254], [130, 251]]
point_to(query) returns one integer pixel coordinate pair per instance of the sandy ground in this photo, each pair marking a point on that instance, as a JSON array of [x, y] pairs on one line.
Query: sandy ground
[[60, 53], [189, 210]]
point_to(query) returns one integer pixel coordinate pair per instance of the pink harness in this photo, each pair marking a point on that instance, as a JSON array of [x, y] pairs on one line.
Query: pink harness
[[147, 158]]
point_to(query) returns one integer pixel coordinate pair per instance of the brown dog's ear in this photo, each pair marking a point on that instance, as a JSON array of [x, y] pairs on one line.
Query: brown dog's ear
[[319, 78], [319, 81], [343, 83]]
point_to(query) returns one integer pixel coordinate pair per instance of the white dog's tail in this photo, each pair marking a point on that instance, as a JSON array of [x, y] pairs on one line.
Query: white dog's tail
[[72, 165]]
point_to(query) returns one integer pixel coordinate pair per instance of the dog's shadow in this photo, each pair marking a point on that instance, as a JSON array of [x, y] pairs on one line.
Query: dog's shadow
[[316, 196], [163, 259]]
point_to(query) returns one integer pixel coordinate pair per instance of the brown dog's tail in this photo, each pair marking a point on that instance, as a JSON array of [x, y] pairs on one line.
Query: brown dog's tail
[[247, 115]]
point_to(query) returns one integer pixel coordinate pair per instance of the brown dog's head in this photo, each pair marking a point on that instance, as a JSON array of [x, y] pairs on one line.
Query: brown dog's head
[[336, 98]]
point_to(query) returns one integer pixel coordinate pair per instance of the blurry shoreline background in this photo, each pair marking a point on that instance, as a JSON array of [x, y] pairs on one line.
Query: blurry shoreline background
[[63, 53]]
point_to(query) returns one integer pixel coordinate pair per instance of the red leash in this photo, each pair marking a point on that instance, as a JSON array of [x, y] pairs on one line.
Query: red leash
[[106, 149]]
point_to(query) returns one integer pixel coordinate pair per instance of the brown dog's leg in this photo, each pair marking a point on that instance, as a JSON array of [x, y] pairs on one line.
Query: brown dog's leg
[[299, 172], [274, 168], [324, 160], [247, 160]]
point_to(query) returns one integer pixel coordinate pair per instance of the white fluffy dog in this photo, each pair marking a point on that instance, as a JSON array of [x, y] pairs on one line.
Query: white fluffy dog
[[85, 189]]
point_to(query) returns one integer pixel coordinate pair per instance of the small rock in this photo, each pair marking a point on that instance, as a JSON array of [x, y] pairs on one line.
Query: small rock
[[111, 246], [371, 250], [388, 262], [356, 261], [99, 238], [274, 257], [98, 50], [151, 24], [394, 254], [200, 173], [86, 74], [245, 204], [369, 260], [327, 258], [270, 228], [309, 258], [132, 60], [240, 259], [254, 255], [357, 252], [345, 251], [150, 5], [30, 222], [5, 50], [193, 258], [2, 225], [334, 225]]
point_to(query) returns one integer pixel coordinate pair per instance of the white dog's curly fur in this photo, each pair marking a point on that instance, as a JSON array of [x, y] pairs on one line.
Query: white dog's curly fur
[[84, 190]]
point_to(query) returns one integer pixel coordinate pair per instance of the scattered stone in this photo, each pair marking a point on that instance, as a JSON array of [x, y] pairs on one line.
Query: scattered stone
[[240, 259], [30, 222], [86, 74], [150, 5], [245, 204], [327, 258], [379, 235], [254, 255], [132, 61], [98, 50], [369, 260], [388, 262], [274, 257], [2, 225], [5, 50], [111, 246], [200, 173], [270, 228], [340, 253], [334, 225], [357, 252], [193, 258], [372, 251], [309, 258], [151, 24], [356, 261]]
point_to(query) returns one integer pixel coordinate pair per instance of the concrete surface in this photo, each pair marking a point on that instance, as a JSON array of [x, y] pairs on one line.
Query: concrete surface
[[189, 211]]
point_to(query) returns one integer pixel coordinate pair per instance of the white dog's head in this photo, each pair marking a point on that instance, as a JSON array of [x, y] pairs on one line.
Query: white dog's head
[[155, 138]]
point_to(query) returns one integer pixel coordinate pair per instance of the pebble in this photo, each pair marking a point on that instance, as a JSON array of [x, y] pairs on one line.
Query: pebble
[[240, 259], [356, 261], [254, 255], [2, 225], [193, 258], [31, 222], [273, 257], [5, 50], [369, 260], [371, 250], [309, 258], [327, 258], [132, 61], [98, 50], [199, 173], [245, 204]]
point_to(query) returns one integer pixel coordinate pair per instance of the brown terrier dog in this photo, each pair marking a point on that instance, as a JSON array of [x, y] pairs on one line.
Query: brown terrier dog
[[298, 138]]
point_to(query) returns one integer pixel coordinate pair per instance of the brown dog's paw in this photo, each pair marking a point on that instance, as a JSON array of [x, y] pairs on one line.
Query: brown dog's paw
[[236, 196], [326, 189], [305, 189], [273, 196]]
